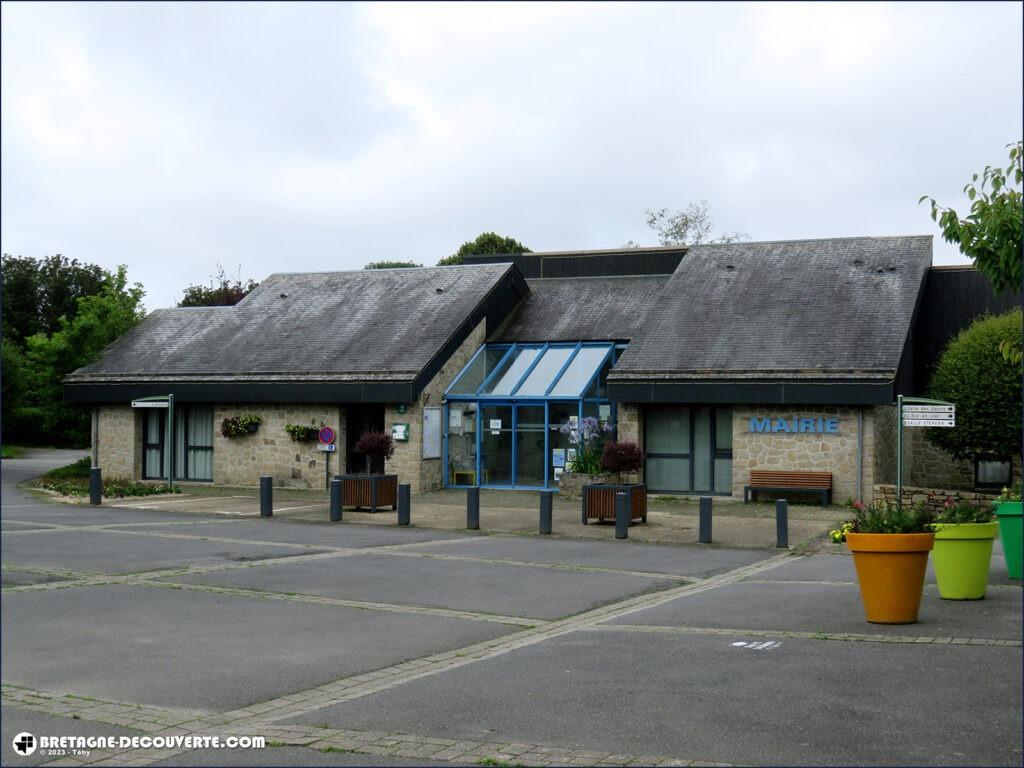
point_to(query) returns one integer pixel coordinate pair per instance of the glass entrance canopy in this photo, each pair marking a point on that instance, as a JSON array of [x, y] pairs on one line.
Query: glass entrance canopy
[[506, 410]]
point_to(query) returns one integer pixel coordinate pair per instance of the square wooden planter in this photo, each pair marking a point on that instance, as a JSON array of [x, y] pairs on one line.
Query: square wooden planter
[[599, 502], [369, 491]]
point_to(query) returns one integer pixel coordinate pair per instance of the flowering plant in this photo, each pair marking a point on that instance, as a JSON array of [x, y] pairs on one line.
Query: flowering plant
[[237, 426], [885, 517], [958, 513], [588, 439], [1010, 494]]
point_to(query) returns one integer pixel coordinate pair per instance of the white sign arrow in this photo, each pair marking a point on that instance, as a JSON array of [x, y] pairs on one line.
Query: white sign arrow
[[929, 409]]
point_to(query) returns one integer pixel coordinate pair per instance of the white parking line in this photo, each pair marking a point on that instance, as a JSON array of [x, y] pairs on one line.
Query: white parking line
[[149, 504]]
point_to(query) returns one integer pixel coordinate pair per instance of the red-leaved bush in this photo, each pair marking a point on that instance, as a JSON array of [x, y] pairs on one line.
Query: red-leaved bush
[[622, 457], [377, 445]]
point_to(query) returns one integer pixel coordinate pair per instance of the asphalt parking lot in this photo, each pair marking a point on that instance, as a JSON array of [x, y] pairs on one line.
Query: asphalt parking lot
[[369, 644]]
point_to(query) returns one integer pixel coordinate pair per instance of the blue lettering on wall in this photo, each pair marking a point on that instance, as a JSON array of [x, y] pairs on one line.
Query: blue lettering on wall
[[799, 424]]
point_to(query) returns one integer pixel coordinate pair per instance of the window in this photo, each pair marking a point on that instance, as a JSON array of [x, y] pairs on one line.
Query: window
[[689, 450], [992, 473], [193, 443]]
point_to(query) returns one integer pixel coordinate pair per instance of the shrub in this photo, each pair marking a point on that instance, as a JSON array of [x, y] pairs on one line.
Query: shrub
[[112, 488], [1010, 494], [957, 513], [376, 445], [236, 426], [79, 469], [620, 457], [882, 517], [985, 387], [301, 434]]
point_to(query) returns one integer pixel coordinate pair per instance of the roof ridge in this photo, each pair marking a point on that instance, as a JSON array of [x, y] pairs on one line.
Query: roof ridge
[[814, 240]]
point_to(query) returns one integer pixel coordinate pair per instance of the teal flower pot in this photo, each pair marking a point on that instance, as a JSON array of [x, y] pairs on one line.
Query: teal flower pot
[[1011, 532]]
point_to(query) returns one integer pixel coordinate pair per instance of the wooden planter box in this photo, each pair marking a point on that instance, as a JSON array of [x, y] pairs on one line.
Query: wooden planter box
[[599, 502], [369, 491]]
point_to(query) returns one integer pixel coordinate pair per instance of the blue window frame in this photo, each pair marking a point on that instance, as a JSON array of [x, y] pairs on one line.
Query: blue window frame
[[492, 435]]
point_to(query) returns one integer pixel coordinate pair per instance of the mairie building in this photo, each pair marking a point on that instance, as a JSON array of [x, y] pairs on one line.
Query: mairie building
[[718, 360]]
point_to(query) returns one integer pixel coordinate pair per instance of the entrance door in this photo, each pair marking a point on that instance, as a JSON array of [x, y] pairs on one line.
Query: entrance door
[[359, 419], [496, 444], [530, 445]]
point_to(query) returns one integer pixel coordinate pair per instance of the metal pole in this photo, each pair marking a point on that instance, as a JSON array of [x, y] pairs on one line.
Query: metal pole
[[404, 511], [782, 523], [545, 511], [899, 450], [336, 500], [266, 496], [95, 485], [623, 511], [473, 509], [169, 441], [704, 526]]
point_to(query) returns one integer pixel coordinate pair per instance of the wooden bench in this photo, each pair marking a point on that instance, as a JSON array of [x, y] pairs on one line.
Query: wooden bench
[[780, 482]]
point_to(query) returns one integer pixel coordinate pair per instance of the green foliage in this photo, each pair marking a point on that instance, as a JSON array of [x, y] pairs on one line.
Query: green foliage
[[113, 488], [1010, 494], [984, 386], [302, 434], [10, 451], [222, 291], [487, 242], [963, 512], [990, 235], [882, 517], [42, 416], [38, 293], [236, 426], [392, 265], [79, 468]]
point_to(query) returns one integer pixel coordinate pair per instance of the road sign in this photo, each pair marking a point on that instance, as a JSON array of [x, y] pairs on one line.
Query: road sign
[[149, 403], [326, 435], [327, 447], [929, 409], [928, 422]]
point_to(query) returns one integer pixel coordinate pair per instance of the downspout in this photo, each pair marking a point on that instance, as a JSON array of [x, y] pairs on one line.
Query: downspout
[[860, 452]]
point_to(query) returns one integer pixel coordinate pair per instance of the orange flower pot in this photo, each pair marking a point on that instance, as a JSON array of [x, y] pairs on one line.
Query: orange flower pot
[[890, 571]]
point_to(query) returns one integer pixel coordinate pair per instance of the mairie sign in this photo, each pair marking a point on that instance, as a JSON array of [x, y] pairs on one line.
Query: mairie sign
[[798, 424]]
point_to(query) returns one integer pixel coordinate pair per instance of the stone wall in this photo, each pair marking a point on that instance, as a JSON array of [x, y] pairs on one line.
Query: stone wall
[[271, 451], [119, 442], [930, 466], [809, 452], [629, 427], [885, 443], [408, 462], [934, 498]]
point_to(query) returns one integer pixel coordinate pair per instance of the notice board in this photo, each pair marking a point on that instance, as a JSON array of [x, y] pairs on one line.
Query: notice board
[[431, 433]]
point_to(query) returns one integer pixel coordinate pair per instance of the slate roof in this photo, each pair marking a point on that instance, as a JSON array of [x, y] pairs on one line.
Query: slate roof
[[806, 309], [365, 325], [582, 309]]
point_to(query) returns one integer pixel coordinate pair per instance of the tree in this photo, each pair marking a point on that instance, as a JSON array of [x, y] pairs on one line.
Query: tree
[[391, 265], [487, 242], [41, 415], [990, 235], [984, 386], [690, 226], [37, 293], [221, 292]]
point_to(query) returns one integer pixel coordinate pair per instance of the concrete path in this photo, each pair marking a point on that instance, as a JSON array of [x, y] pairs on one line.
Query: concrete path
[[363, 643]]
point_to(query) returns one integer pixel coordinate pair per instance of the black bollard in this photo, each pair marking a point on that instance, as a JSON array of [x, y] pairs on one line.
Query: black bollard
[[404, 511], [704, 528], [545, 511], [623, 511], [473, 509], [336, 488], [95, 486], [782, 524], [266, 496]]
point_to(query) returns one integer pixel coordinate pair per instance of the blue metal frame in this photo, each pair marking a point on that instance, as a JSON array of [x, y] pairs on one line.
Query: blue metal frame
[[514, 400]]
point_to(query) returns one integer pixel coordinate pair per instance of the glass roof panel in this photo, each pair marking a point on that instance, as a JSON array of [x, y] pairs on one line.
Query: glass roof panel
[[580, 371], [544, 373], [477, 371], [506, 379]]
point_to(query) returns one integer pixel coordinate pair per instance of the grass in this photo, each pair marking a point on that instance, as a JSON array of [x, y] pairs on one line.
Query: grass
[[73, 480], [10, 451], [493, 761]]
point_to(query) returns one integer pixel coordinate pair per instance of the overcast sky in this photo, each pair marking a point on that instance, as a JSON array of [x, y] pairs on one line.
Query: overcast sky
[[316, 137]]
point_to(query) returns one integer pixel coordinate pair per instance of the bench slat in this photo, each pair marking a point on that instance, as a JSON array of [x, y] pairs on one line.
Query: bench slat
[[782, 479]]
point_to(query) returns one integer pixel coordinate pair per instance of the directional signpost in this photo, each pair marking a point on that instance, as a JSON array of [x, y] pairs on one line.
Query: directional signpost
[[919, 412]]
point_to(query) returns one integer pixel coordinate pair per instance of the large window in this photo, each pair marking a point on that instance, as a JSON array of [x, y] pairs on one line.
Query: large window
[[506, 408], [193, 443], [991, 473], [689, 449]]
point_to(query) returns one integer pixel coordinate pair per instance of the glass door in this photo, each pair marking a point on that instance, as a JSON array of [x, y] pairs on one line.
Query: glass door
[[496, 444], [530, 445]]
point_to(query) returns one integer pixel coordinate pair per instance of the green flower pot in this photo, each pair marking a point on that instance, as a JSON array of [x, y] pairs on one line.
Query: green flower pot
[[1010, 532], [961, 557]]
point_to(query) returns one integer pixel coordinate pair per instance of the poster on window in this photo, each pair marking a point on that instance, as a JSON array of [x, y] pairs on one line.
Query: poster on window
[[604, 413], [455, 420], [558, 457]]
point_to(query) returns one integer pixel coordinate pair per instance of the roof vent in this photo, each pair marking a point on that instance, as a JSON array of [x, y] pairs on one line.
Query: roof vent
[[730, 266], [283, 295], [439, 290], [858, 262]]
